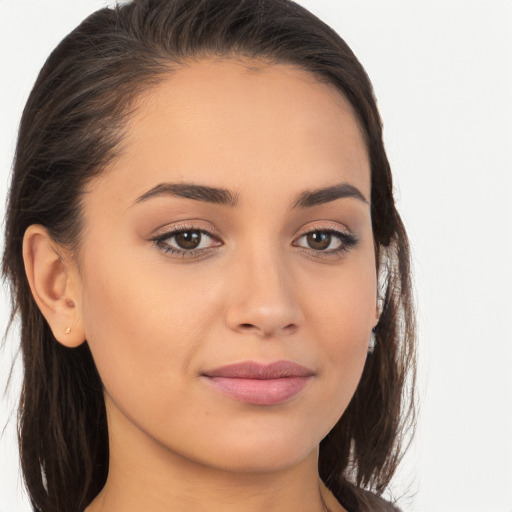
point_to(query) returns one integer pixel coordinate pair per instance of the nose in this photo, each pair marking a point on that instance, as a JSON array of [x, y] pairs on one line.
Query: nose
[[263, 299]]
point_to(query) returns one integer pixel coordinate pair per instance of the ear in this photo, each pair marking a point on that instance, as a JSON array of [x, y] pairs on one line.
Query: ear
[[53, 286]]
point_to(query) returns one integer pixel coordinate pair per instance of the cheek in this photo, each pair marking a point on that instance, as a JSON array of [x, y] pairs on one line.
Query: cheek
[[131, 325], [343, 303], [142, 326], [343, 316]]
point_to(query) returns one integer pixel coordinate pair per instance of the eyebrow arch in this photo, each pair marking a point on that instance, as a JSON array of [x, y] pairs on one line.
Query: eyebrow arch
[[190, 191], [224, 197], [311, 198]]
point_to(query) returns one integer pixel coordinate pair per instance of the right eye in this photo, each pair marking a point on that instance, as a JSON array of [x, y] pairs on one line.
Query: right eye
[[186, 241]]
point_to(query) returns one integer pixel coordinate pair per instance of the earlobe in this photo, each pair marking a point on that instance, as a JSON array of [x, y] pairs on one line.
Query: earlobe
[[51, 285]]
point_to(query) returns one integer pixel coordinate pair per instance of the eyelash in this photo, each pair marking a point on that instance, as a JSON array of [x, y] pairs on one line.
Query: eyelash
[[347, 242], [160, 241]]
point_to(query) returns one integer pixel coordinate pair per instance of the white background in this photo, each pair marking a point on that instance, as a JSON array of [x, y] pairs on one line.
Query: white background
[[442, 72]]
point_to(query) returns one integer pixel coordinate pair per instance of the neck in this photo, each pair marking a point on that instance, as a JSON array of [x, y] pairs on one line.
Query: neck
[[135, 485], [148, 476]]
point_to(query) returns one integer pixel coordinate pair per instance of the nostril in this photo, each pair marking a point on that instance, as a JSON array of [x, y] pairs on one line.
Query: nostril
[[290, 328]]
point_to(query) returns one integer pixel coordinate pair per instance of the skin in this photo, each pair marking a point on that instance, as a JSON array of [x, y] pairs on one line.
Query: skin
[[156, 321]]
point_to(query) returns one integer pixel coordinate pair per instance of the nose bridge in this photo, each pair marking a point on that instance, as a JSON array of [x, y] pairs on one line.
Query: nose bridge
[[263, 296]]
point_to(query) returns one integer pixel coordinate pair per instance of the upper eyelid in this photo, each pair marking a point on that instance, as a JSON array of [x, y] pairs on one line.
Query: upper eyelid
[[325, 226], [321, 225], [339, 232], [172, 231]]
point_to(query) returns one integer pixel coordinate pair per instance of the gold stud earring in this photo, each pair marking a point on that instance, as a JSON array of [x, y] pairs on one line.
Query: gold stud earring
[[68, 330]]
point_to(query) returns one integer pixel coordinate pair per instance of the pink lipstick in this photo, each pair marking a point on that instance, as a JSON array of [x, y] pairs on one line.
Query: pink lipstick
[[260, 384]]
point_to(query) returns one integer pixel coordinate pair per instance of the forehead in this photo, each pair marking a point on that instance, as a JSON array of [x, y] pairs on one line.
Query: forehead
[[241, 124]]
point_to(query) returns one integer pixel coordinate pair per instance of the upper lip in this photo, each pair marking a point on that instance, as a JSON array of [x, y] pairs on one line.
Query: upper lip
[[263, 371]]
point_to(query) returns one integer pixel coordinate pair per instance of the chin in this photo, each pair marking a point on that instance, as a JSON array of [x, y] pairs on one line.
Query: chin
[[262, 452], [260, 461]]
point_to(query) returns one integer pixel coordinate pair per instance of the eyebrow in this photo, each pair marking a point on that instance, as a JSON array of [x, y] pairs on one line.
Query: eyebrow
[[189, 191], [224, 197], [324, 195]]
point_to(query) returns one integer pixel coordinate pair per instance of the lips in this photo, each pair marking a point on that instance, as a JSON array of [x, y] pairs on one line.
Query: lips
[[260, 384]]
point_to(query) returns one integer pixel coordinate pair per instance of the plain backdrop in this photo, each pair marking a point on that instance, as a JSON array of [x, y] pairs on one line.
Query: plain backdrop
[[442, 73]]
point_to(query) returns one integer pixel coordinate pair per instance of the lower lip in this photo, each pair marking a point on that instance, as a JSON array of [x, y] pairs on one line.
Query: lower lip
[[260, 391]]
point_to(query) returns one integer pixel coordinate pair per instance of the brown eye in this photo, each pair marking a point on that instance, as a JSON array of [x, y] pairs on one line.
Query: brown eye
[[188, 239], [326, 242], [319, 240], [186, 242]]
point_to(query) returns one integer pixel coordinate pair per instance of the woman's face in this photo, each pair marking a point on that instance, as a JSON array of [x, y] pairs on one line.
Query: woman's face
[[234, 229]]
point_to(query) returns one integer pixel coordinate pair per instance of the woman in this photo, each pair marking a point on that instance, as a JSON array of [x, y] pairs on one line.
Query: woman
[[212, 278]]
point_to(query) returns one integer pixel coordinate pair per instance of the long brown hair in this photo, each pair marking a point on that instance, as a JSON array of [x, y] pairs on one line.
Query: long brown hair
[[70, 130]]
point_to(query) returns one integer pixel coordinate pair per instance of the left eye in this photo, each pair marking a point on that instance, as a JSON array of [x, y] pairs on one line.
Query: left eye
[[326, 241]]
